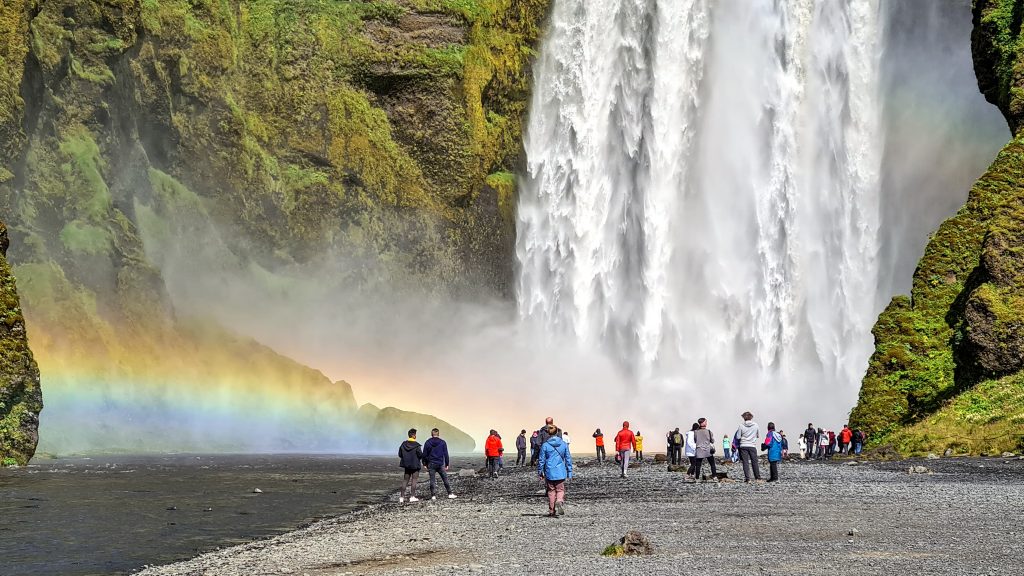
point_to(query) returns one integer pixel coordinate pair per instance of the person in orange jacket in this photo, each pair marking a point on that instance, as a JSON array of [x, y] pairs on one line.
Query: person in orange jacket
[[493, 450], [625, 443], [599, 441]]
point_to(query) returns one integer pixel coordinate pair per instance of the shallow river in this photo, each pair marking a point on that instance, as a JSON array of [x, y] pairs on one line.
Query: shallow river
[[110, 515]]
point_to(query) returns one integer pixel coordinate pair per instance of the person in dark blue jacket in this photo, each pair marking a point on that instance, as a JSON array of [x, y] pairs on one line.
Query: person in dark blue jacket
[[555, 467], [435, 456]]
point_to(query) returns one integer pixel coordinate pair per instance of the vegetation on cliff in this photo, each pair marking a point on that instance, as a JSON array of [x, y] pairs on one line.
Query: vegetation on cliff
[[20, 396], [298, 130], [948, 359]]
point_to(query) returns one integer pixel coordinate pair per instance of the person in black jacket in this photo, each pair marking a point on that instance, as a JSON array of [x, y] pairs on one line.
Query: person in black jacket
[[410, 458], [521, 449], [811, 438]]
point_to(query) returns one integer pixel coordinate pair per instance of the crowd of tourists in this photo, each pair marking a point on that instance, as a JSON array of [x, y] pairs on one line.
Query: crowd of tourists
[[690, 449]]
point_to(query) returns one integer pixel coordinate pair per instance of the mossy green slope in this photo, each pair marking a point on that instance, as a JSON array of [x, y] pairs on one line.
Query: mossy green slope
[[946, 369], [20, 396], [299, 129]]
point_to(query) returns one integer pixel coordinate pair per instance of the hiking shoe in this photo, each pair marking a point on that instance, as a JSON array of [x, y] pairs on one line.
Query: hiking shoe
[[451, 496], [413, 499], [560, 508]]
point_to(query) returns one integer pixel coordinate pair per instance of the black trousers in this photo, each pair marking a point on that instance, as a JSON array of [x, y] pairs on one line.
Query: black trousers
[[492, 466], [700, 464], [748, 455], [601, 457], [521, 457], [773, 470], [677, 454]]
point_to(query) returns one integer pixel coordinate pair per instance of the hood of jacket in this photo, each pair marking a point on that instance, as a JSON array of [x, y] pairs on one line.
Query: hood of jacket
[[409, 446]]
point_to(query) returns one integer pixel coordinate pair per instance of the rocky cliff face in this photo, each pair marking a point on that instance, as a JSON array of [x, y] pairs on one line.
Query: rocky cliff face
[[947, 367], [20, 396], [288, 131]]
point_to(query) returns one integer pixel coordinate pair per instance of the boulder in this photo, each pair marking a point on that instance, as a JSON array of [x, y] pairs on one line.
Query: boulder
[[677, 468], [467, 473], [918, 470], [660, 458], [948, 452]]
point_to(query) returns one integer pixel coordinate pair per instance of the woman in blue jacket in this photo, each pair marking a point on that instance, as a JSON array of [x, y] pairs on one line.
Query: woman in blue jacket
[[555, 467], [773, 443]]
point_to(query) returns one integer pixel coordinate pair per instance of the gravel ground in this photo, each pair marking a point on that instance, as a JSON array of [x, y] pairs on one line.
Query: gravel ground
[[963, 517]]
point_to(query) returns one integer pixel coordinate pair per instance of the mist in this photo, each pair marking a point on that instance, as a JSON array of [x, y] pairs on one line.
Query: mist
[[479, 365]]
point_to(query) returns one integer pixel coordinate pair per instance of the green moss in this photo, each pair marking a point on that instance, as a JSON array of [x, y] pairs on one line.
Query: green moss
[[85, 239], [614, 551]]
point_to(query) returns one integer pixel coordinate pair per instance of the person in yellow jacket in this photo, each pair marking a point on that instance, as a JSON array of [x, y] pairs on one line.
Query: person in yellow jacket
[[639, 446]]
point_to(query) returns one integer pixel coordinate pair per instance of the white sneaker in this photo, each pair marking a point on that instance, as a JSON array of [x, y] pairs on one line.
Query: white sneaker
[[451, 496], [433, 497], [413, 499], [400, 499]]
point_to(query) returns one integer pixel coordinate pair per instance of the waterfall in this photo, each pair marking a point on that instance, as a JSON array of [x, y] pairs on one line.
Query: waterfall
[[701, 196]]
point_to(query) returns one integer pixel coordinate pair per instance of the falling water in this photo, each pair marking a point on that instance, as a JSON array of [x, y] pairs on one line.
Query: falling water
[[702, 189]]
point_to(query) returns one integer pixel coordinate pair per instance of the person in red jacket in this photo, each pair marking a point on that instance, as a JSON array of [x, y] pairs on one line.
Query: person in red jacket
[[625, 442], [845, 435], [493, 450]]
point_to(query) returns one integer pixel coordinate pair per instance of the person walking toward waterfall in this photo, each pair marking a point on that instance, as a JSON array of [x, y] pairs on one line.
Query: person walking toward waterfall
[[410, 458], [773, 443], [625, 443], [493, 450], [554, 467], [435, 456], [748, 434], [639, 439]]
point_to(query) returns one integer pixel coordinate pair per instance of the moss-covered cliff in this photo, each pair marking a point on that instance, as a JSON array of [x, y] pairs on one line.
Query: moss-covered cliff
[[298, 130], [946, 371], [20, 396]]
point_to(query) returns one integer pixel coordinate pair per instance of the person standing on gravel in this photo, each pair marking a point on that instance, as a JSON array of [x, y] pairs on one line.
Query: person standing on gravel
[[435, 456], [675, 446], [639, 439], [725, 448], [521, 449], [599, 445], [566, 439], [534, 448], [554, 467], [822, 443], [811, 437], [690, 450], [625, 443], [748, 434], [493, 450], [704, 441], [410, 458], [845, 439], [773, 444]]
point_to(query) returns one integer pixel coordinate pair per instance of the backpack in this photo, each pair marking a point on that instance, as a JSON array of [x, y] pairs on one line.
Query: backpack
[[677, 438]]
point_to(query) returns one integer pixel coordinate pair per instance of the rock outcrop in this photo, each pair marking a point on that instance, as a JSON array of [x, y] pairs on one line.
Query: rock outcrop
[[946, 371], [20, 397]]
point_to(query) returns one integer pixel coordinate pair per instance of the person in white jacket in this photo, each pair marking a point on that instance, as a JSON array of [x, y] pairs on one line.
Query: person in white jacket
[[690, 449], [749, 434]]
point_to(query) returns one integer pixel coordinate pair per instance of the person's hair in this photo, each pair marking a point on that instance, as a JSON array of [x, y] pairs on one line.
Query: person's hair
[[598, 431], [810, 424], [494, 432], [412, 432], [771, 425], [695, 427], [748, 416], [846, 425], [565, 431], [552, 429], [676, 430], [435, 432], [702, 421], [638, 432]]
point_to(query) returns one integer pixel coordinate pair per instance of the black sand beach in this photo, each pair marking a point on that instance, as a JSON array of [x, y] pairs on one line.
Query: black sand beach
[[960, 517]]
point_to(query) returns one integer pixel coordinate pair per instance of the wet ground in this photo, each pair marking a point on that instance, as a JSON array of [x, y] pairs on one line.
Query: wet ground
[[109, 515]]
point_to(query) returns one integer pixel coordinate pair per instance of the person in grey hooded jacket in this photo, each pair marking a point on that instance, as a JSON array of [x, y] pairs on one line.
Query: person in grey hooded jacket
[[748, 434]]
